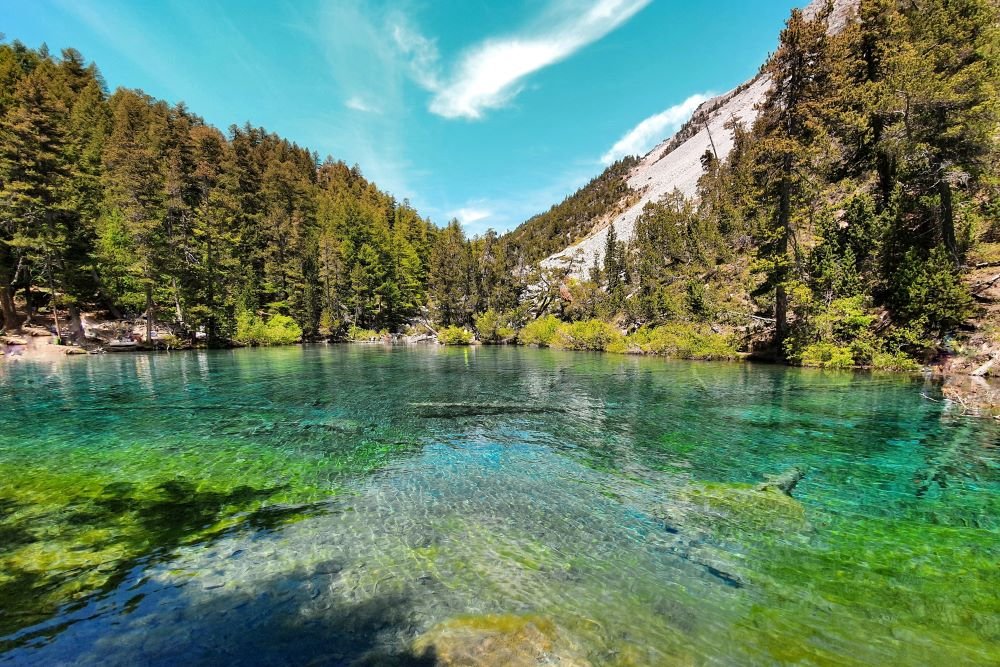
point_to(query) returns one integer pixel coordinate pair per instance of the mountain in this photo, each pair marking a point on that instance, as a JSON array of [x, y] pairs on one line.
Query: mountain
[[674, 164]]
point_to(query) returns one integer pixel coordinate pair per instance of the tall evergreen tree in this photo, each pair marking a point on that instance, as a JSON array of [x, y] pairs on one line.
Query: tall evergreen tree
[[790, 127], [451, 284], [134, 187], [33, 190]]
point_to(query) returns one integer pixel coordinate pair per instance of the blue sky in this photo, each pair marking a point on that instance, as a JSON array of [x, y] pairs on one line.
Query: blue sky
[[485, 110]]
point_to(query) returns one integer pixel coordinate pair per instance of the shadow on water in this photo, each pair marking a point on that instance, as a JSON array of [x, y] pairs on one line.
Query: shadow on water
[[267, 625], [271, 621], [61, 560]]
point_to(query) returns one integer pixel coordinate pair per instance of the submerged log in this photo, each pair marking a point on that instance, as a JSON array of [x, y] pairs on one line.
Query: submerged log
[[985, 368], [785, 482]]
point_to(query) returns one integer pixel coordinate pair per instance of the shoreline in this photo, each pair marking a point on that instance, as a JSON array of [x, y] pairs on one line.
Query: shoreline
[[977, 396]]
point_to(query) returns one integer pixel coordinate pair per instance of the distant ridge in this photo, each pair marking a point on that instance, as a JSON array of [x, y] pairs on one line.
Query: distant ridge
[[675, 163]]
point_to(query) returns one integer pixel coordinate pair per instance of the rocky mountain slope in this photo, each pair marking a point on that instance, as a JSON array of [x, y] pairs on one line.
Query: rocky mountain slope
[[675, 164]]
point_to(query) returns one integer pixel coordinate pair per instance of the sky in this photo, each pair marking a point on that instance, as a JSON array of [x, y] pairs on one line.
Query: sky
[[489, 111]]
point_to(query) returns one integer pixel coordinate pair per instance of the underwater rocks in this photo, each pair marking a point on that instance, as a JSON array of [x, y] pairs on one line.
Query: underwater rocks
[[505, 640], [785, 482], [746, 505], [972, 396], [734, 510]]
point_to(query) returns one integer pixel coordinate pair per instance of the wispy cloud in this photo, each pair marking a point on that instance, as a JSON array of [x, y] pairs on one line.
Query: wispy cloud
[[369, 80], [652, 130], [357, 103], [492, 72], [469, 215], [421, 53], [506, 210]]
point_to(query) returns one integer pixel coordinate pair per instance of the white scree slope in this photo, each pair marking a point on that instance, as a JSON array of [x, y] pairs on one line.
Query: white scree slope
[[675, 164]]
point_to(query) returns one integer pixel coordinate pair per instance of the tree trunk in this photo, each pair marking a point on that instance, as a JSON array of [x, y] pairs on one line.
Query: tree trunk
[[108, 303], [75, 324], [947, 217], [7, 276], [212, 322], [10, 320], [149, 314], [177, 303], [780, 317], [885, 163], [29, 303], [53, 304], [785, 227]]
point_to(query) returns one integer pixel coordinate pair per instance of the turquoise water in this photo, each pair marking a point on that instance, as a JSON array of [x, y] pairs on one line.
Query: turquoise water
[[373, 505]]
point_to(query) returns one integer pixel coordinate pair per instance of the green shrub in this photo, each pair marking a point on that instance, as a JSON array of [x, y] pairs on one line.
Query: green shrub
[[827, 355], [835, 335], [170, 341], [331, 326], [278, 330], [359, 334], [541, 331], [929, 294], [281, 330], [681, 341], [249, 328], [894, 361], [454, 336], [495, 327], [594, 335]]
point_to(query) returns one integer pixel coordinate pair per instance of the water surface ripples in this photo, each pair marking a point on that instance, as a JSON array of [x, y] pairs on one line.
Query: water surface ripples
[[370, 505]]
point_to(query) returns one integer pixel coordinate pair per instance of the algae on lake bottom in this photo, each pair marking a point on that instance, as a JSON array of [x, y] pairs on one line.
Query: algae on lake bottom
[[605, 508]]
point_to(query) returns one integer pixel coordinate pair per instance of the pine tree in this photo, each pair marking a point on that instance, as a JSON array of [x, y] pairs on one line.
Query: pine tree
[[451, 285], [215, 270], [790, 125], [949, 83], [134, 186], [33, 176], [612, 266]]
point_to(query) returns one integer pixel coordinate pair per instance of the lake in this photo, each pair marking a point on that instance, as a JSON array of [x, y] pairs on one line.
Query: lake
[[377, 505]]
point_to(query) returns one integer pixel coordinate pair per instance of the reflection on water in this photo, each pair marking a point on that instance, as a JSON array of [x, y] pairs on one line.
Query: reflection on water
[[331, 505]]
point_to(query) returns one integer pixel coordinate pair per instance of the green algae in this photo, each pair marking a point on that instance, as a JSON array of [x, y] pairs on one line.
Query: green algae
[[76, 517], [747, 506], [77, 534], [925, 589], [886, 554]]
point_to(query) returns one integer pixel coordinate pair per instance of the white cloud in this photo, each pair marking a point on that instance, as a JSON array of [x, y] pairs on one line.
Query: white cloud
[[358, 104], [654, 129], [468, 215], [421, 52], [490, 73]]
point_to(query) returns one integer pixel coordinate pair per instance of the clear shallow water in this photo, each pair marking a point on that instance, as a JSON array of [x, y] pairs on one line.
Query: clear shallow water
[[325, 505]]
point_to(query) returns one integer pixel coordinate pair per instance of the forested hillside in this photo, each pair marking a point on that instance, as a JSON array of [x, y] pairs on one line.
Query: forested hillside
[[840, 230], [566, 222], [124, 203]]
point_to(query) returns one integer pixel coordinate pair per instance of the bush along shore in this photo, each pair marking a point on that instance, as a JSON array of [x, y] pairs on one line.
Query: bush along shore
[[854, 223]]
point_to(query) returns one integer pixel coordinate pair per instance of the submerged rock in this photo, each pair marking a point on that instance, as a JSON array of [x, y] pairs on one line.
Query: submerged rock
[[763, 506], [505, 640], [785, 482]]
